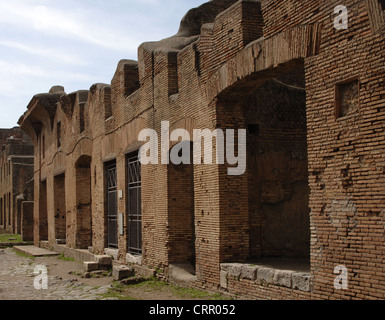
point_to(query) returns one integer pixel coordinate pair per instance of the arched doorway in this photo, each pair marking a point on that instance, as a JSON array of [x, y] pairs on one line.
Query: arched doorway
[[265, 213]]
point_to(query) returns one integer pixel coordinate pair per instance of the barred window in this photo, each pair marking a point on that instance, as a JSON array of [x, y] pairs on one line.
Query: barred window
[[134, 207]]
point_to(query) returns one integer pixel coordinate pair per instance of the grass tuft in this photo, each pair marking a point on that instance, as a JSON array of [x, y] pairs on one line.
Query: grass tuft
[[15, 238], [65, 258]]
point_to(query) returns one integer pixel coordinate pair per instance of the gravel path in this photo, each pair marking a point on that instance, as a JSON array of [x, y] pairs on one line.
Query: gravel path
[[17, 279]]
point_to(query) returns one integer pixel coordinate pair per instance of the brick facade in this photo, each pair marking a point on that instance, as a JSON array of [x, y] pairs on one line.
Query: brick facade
[[311, 98], [16, 170]]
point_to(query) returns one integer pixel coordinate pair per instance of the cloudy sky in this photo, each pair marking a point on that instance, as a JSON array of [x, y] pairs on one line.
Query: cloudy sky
[[73, 43]]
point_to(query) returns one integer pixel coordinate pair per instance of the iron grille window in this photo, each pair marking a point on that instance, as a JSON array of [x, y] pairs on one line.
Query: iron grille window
[[112, 204], [134, 205]]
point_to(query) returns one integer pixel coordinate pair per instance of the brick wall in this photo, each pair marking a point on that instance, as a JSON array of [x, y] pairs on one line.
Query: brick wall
[[230, 32], [289, 89], [181, 221], [27, 221], [16, 168], [277, 163], [60, 207], [345, 159]]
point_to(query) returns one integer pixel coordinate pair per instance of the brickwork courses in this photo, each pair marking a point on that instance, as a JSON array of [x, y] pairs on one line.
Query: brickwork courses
[[16, 170], [311, 98]]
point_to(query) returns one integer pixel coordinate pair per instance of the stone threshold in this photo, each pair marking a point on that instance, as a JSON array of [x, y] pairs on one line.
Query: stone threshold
[[265, 274], [35, 251], [14, 244]]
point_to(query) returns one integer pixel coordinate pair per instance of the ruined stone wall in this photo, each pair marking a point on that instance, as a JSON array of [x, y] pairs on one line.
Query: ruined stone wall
[[15, 132], [231, 31], [344, 148], [27, 204], [277, 170], [346, 157], [280, 16], [230, 77], [16, 168], [59, 207], [181, 217], [6, 188]]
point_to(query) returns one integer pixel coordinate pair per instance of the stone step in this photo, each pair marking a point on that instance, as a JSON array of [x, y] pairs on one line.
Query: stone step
[[35, 251]]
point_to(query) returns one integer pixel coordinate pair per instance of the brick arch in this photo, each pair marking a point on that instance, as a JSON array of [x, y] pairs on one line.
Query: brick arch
[[82, 147], [37, 119], [59, 162], [83, 160], [29, 128], [264, 92], [188, 124], [129, 136], [261, 57]]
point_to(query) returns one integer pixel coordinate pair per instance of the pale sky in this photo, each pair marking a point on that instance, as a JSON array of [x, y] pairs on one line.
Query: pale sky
[[74, 44]]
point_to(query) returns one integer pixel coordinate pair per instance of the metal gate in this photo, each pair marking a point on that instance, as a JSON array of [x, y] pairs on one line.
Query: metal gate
[[112, 206], [134, 205]]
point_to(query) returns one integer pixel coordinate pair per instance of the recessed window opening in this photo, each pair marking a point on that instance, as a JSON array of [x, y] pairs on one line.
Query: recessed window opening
[[347, 98], [58, 129]]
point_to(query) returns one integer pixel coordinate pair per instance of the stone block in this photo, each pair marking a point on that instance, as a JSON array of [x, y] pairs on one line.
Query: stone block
[[111, 252], [132, 280], [130, 258], [122, 272], [301, 281], [144, 271], [265, 275], [235, 270], [224, 281], [249, 272], [225, 266], [104, 261], [283, 278], [90, 266]]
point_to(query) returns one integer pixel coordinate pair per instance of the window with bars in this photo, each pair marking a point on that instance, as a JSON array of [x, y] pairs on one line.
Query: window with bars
[[134, 206], [112, 206]]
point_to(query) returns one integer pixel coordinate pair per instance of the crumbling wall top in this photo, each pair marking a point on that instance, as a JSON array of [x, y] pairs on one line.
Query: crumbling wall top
[[190, 27]]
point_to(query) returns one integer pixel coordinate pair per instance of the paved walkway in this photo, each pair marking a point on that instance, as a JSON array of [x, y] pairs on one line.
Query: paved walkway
[[35, 251], [17, 279]]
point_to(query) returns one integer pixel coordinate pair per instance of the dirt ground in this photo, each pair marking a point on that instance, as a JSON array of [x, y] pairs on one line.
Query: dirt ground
[[147, 290], [65, 272]]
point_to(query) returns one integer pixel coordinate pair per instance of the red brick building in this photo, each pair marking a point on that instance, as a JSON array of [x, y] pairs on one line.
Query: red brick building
[[310, 94], [16, 170]]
